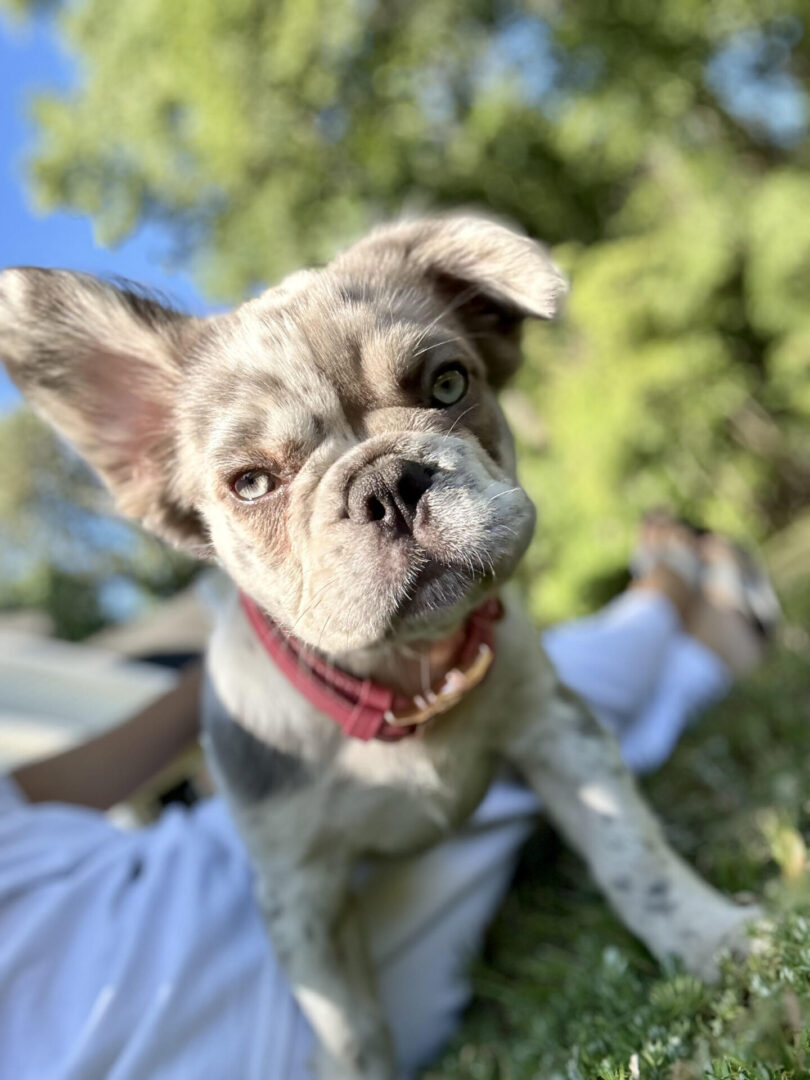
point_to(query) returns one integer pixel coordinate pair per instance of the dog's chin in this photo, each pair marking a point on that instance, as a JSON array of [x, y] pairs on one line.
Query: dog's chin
[[438, 593], [445, 593], [427, 591], [440, 599]]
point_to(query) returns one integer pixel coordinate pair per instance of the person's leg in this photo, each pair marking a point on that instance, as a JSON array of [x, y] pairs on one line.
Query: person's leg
[[725, 634], [692, 678], [202, 993], [614, 659]]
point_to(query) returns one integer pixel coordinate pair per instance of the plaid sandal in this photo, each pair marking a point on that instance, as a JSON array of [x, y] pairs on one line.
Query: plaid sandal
[[728, 574], [733, 579]]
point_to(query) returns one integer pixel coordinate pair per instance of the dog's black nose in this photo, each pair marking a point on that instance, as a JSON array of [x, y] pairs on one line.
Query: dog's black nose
[[388, 492]]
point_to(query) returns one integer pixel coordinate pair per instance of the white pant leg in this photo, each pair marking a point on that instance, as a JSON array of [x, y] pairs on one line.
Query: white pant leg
[[176, 959], [614, 659], [693, 677]]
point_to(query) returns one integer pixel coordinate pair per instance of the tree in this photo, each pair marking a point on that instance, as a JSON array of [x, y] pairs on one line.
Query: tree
[[660, 149]]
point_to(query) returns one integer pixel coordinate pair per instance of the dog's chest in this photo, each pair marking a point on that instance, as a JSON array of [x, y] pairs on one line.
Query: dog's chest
[[392, 799]]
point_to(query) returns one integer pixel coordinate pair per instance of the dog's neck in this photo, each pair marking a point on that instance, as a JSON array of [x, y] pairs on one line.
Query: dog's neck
[[422, 682], [409, 668]]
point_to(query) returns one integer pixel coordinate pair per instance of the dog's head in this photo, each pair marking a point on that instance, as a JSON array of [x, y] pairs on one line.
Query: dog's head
[[336, 443]]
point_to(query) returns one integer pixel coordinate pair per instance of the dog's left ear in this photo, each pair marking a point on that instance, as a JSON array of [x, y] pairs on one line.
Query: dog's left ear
[[103, 365], [489, 275]]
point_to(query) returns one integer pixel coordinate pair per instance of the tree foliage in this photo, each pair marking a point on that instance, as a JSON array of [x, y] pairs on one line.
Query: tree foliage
[[660, 149]]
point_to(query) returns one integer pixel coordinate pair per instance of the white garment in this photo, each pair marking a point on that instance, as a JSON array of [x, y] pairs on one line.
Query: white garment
[[642, 675], [141, 955]]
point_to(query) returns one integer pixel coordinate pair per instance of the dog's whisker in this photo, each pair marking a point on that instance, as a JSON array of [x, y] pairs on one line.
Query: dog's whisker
[[502, 494], [320, 595], [328, 619], [458, 301], [468, 336], [310, 605], [438, 344], [459, 418]]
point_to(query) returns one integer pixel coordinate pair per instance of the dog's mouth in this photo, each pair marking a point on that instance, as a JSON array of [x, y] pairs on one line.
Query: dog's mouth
[[464, 543], [444, 591], [437, 589]]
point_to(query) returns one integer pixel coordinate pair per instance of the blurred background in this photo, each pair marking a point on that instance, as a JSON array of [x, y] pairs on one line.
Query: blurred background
[[661, 150]]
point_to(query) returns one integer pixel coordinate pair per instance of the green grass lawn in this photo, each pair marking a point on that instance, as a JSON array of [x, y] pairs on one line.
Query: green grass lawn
[[565, 992]]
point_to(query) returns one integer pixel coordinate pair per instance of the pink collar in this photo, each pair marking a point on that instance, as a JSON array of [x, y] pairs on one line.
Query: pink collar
[[365, 709]]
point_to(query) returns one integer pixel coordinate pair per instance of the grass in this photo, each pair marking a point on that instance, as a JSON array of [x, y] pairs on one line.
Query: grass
[[565, 992]]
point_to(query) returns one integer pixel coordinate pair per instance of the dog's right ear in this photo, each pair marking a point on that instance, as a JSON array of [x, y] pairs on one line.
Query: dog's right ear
[[103, 364], [490, 276]]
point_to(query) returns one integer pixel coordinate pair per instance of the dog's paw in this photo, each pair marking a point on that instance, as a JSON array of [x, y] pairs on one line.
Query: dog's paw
[[734, 931]]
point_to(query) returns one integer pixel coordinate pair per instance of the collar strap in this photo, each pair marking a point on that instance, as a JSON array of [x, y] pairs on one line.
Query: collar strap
[[365, 709]]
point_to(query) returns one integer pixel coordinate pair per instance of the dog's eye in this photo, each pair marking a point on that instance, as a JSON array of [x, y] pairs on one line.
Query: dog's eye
[[449, 385], [253, 484]]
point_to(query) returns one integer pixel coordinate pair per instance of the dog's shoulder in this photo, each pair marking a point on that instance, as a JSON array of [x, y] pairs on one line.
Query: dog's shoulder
[[250, 767]]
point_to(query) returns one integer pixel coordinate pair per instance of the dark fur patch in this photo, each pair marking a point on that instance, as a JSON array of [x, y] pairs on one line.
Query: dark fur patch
[[583, 721], [253, 769], [658, 898]]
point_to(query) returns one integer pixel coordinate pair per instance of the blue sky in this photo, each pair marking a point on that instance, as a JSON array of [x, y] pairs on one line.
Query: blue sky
[[31, 59]]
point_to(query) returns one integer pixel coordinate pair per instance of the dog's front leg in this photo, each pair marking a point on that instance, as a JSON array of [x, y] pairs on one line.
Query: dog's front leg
[[576, 769], [314, 927]]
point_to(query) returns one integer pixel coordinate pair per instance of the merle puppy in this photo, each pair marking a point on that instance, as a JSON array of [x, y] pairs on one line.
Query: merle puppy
[[337, 446]]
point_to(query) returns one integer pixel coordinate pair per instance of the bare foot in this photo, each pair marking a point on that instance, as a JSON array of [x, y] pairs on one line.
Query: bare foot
[[667, 561]]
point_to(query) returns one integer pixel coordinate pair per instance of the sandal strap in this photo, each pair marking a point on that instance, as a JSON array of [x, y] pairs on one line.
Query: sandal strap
[[735, 579]]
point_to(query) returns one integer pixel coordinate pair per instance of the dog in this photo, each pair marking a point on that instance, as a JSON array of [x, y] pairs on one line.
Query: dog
[[337, 446]]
